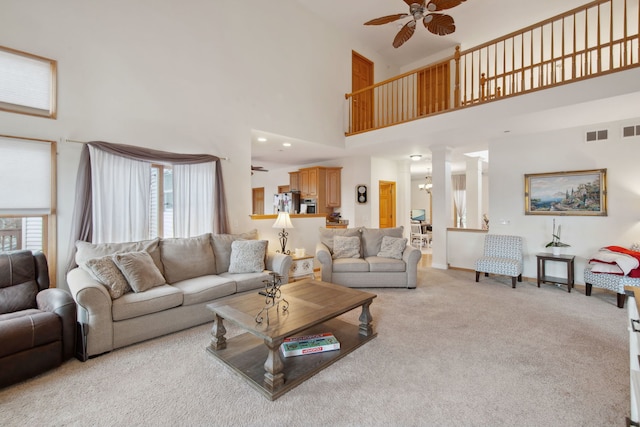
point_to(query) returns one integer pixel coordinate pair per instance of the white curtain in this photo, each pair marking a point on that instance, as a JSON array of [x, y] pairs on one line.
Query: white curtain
[[193, 199], [121, 189], [459, 184]]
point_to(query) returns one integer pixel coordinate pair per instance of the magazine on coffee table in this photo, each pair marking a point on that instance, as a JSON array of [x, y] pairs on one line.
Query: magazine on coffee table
[[308, 344]]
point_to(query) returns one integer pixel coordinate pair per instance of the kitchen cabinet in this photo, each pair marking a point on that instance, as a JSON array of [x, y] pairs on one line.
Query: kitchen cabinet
[[320, 183]]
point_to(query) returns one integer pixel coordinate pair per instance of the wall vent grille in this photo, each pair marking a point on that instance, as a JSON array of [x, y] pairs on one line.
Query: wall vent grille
[[630, 131], [597, 135]]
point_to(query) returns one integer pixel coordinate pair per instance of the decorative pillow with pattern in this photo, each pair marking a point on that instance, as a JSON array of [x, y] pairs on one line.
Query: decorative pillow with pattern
[[346, 247], [247, 256], [105, 271], [139, 270], [327, 235], [392, 247]]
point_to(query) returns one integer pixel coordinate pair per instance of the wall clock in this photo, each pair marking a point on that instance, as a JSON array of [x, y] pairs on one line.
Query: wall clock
[[361, 193]]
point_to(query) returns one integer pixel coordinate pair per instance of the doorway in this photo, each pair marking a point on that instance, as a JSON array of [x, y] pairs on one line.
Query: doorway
[[362, 103], [257, 201], [387, 191]]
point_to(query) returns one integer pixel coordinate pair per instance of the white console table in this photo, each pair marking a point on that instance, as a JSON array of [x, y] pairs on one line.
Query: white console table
[[301, 267]]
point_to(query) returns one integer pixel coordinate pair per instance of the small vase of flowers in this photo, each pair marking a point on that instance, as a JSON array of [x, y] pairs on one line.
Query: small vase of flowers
[[555, 244]]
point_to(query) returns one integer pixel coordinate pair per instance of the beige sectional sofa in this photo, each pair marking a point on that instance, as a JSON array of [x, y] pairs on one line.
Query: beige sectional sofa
[[167, 284], [367, 258]]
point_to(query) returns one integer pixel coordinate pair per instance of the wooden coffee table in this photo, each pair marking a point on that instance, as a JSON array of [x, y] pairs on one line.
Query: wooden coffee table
[[313, 308]]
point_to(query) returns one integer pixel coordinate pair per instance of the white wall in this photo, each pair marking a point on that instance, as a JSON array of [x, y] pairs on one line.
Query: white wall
[[191, 77]]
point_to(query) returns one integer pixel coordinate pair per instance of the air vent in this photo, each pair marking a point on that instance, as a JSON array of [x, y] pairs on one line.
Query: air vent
[[630, 131], [597, 135]]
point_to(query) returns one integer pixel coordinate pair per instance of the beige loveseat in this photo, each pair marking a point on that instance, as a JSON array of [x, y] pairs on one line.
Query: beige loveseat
[[167, 284], [367, 258]]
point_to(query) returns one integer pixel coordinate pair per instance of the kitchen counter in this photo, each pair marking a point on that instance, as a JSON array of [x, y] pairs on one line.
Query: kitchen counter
[[274, 216]]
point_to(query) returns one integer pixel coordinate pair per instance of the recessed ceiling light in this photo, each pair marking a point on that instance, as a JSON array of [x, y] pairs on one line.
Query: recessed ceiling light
[[415, 157], [262, 139], [286, 144]]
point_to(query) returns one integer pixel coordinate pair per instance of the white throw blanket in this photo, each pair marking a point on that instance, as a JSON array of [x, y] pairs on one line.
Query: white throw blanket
[[607, 261]]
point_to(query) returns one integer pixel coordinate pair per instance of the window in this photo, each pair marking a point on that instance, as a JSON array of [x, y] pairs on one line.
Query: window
[[27, 83], [27, 198], [161, 209]]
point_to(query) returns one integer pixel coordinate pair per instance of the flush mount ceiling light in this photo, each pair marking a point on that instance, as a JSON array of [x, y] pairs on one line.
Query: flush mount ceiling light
[[262, 139], [415, 157], [286, 144]]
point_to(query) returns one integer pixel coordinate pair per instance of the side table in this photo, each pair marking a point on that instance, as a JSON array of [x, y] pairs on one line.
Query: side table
[[301, 267], [567, 259]]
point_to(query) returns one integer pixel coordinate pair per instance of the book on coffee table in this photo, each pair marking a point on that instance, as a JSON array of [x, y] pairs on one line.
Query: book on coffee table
[[308, 344]]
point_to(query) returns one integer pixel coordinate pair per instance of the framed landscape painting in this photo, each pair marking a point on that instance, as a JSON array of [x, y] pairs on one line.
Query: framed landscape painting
[[566, 193]]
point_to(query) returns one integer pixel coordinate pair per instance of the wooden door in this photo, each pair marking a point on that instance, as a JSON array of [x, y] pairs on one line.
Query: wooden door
[[257, 201], [362, 103], [387, 204], [433, 89]]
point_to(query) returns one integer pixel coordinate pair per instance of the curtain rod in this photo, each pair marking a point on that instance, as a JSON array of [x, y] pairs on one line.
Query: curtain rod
[[85, 142]]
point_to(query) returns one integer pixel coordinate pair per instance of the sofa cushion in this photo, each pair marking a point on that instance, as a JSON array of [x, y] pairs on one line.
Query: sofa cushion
[[18, 287], [86, 250], [372, 239], [139, 270], [379, 264], [26, 329], [247, 256], [204, 288], [392, 247], [346, 247], [135, 304], [105, 271], [186, 258], [248, 281], [327, 235], [222, 247], [345, 265]]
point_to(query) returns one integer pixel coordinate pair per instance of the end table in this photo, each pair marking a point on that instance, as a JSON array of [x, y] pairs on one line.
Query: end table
[[567, 259], [301, 267]]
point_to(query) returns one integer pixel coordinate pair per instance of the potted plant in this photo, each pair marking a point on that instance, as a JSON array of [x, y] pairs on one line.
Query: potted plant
[[555, 244]]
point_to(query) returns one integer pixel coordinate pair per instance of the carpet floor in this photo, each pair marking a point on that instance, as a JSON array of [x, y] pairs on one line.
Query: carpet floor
[[450, 353]]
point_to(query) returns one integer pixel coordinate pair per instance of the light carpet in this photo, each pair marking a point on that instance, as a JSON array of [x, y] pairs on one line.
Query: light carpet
[[450, 353]]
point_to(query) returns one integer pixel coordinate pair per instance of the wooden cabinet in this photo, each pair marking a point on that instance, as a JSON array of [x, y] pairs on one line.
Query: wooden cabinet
[[320, 183], [294, 181]]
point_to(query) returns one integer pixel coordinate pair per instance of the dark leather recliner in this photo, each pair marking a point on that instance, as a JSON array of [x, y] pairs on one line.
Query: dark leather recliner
[[37, 323]]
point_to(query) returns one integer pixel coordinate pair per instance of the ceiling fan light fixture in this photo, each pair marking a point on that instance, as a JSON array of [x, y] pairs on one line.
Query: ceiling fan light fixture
[[431, 7], [415, 157], [428, 19]]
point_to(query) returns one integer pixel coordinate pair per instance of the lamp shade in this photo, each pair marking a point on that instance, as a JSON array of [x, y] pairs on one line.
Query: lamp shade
[[283, 221]]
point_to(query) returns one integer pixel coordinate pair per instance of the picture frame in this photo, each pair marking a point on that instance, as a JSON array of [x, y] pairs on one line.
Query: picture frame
[[582, 192]]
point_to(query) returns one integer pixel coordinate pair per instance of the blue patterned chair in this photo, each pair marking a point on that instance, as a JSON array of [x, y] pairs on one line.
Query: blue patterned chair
[[612, 282], [502, 255]]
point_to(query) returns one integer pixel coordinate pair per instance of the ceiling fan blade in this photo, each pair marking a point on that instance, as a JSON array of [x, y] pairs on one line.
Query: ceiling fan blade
[[445, 4], [439, 24], [386, 19], [404, 34]]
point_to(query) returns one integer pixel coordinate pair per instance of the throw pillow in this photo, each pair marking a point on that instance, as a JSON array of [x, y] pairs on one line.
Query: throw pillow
[[392, 247], [86, 250], [372, 238], [327, 235], [188, 257], [346, 247], [222, 247], [139, 270], [247, 256], [105, 271]]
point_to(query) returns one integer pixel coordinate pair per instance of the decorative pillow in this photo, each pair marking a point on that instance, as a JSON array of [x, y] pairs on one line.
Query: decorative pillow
[[327, 235], [247, 256], [222, 247], [105, 271], [86, 250], [392, 247], [346, 247], [372, 238], [139, 270], [186, 258]]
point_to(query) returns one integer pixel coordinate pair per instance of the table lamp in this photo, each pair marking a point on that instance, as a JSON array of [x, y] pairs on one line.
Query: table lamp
[[283, 221]]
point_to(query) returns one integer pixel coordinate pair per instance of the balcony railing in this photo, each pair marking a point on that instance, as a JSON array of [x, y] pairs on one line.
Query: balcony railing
[[589, 41], [10, 239]]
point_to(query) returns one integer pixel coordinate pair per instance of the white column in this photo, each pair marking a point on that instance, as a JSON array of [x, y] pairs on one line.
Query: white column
[[403, 203], [442, 215], [474, 192]]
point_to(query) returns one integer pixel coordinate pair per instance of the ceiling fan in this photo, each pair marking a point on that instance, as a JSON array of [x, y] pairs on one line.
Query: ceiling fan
[[437, 23], [258, 169]]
